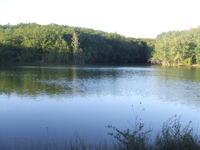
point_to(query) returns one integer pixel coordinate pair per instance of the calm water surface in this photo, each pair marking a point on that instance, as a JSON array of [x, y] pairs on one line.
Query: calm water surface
[[84, 99]]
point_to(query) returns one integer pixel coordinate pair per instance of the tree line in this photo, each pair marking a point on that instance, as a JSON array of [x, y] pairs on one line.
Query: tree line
[[177, 48], [63, 44]]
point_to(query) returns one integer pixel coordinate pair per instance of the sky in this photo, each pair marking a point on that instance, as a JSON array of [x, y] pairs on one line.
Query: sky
[[131, 18]]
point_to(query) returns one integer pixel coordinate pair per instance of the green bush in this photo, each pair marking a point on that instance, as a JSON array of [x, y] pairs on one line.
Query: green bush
[[170, 137]]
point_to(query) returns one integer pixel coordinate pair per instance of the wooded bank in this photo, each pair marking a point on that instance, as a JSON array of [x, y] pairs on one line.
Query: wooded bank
[[63, 44], [177, 48]]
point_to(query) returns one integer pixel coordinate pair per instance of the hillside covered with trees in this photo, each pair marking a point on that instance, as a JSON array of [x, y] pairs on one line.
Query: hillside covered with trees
[[177, 48], [63, 44]]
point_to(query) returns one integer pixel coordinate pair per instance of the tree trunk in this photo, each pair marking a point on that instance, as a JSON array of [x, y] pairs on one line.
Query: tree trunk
[[167, 62]]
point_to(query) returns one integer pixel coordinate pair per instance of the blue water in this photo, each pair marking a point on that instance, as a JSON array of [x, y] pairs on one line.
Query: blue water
[[57, 102]]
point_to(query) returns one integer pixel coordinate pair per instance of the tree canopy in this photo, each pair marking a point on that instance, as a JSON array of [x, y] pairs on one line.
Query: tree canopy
[[58, 43], [177, 48]]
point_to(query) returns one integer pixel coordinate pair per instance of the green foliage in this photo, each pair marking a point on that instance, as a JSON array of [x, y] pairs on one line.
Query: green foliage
[[177, 47], [197, 56], [56, 43], [173, 138], [170, 137], [136, 139]]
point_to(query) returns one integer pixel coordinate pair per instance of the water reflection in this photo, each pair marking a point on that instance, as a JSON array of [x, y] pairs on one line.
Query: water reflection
[[178, 84], [173, 84], [87, 98], [38, 80]]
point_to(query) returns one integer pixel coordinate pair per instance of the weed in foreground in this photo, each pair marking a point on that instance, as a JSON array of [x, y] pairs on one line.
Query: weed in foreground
[[171, 137], [136, 139]]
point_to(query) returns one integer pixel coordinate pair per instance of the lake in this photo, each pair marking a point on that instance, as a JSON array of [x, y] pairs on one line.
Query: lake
[[40, 102]]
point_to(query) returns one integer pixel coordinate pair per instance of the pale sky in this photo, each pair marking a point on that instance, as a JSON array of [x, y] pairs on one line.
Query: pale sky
[[131, 18]]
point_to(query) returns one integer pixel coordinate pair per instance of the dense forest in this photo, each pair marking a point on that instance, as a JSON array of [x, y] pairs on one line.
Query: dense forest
[[63, 44], [177, 48]]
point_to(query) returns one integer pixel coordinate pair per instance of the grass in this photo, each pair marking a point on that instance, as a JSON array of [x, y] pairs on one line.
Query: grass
[[172, 136]]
